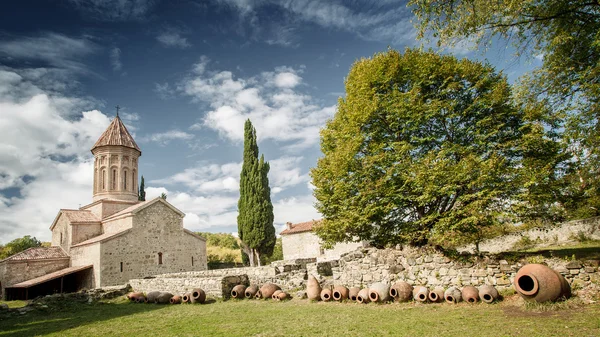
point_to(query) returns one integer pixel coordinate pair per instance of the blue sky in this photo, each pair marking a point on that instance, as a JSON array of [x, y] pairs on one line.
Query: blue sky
[[187, 74]]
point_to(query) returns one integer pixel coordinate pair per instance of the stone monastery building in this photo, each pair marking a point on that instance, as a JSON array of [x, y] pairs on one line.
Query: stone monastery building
[[110, 241]]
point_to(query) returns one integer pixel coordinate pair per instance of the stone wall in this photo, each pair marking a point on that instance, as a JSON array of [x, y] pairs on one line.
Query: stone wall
[[300, 245], [430, 268], [559, 233]]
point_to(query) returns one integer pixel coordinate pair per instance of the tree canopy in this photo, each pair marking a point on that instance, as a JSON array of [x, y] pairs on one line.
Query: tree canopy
[[422, 145], [255, 210], [18, 245], [565, 34]]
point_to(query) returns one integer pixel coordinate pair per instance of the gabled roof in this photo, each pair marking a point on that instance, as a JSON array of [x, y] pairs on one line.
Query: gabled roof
[[38, 253], [76, 216], [117, 135], [49, 277], [187, 231], [300, 227], [138, 207], [102, 238]]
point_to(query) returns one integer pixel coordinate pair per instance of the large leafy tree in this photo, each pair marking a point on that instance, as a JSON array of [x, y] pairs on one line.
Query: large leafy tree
[[566, 34], [422, 145], [255, 210], [19, 245]]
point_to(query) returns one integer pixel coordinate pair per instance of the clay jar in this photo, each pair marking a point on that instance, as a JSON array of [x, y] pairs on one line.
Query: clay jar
[[198, 296], [326, 295], [363, 296], [238, 291], [163, 298], [453, 295], [250, 292], [133, 296], [353, 293], [488, 294], [175, 299], [537, 282], [267, 290], [151, 296], [340, 293], [275, 295], [420, 294], [282, 296], [401, 291], [379, 292], [313, 289], [186, 298], [470, 294], [436, 295]]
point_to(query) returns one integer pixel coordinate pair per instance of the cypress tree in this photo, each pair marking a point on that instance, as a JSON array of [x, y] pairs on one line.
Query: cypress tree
[[255, 210], [142, 193]]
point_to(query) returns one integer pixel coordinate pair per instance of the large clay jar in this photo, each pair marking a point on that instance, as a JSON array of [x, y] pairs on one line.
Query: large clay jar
[[267, 290], [363, 296], [198, 296], [488, 294], [313, 288], [470, 294], [537, 282], [420, 294], [436, 295], [340, 293], [275, 295], [379, 292], [133, 296], [175, 299], [453, 295], [353, 293], [401, 291], [163, 298], [140, 299], [186, 298], [238, 291], [151, 296], [250, 292], [283, 296], [326, 295]]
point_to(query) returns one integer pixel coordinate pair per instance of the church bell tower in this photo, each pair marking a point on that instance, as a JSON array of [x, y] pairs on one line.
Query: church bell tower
[[116, 164]]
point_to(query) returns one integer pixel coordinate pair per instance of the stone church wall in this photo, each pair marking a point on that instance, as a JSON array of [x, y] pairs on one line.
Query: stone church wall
[[87, 255], [156, 229], [82, 232], [62, 227]]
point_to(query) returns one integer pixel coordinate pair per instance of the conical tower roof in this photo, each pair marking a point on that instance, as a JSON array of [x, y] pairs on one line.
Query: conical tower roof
[[116, 135]]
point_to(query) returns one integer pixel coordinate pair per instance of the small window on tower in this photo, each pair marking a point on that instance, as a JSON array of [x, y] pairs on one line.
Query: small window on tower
[[125, 180], [121, 267], [159, 258], [192, 261], [114, 179]]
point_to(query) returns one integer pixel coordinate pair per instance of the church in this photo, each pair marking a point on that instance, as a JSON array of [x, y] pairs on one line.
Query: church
[[110, 241]]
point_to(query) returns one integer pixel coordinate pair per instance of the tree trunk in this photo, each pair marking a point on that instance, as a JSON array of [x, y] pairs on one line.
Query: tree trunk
[[251, 258], [258, 257]]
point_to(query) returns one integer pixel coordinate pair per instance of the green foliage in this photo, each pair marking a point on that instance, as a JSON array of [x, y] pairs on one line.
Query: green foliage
[[18, 245], [565, 89], [276, 255], [225, 240], [163, 195], [580, 236], [255, 210], [422, 146], [142, 192]]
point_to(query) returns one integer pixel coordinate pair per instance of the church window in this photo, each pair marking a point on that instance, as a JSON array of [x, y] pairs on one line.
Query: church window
[[159, 258], [192, 261], [133, 181], [114, 179], [125, 180], [121, 267], [61, 240], [103, 179]]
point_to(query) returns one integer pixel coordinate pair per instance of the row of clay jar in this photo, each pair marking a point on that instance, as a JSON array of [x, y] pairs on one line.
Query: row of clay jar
[[400, 292], [268, 290], [197, 295]]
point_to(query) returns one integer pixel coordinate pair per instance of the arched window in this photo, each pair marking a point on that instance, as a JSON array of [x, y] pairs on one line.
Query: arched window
[[103, 180], [121, 267], [134, 181], [124, 180], [159, 258], [114, 179], [192, 261]]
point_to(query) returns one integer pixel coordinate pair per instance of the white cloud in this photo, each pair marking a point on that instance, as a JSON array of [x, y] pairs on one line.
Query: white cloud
[[173, 39], [270, 100], [295, 209], [164, 91], [164, 138], [207, 178], [44, 153], [115, 59]]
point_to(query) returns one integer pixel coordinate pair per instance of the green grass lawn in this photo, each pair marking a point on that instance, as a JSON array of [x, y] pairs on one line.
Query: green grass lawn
[[302, 318]]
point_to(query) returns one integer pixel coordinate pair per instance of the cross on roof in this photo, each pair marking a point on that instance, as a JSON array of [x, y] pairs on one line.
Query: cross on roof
[[118, 107]]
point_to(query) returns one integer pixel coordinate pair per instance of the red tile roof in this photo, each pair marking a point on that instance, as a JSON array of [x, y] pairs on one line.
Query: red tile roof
[[48, 277], [301, 227], [116, 134], [38, 253]]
